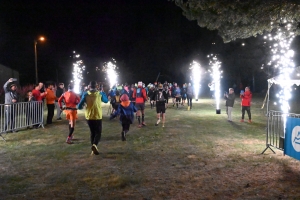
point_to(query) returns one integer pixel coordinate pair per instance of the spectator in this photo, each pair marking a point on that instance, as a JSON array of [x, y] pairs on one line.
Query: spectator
[[230, 97], [39, 106], [50, 97], [212, 89], [11, 97], [30, 109], [246, 101], [59, 91]]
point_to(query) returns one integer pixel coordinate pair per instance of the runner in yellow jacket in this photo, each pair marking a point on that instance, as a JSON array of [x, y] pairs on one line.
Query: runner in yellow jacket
[[93, 113]]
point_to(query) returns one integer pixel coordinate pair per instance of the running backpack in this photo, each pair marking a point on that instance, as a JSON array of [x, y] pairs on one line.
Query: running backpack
[[117, 99], [139, 92], [160, 96]]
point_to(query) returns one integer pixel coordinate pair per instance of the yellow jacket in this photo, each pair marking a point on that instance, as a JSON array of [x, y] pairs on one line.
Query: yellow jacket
[[93, 99]]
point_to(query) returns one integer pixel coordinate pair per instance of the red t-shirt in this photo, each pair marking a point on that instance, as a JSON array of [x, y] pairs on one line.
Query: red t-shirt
[[37, 95]]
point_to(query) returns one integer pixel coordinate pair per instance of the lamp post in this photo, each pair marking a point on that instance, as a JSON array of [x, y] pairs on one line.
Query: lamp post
[[35, 57]]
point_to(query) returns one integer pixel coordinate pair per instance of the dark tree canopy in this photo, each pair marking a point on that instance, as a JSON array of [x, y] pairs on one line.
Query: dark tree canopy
[[242, 18]]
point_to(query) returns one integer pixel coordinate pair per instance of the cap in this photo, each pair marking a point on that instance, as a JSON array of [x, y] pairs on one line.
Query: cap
[[124, 97], [13, 85]]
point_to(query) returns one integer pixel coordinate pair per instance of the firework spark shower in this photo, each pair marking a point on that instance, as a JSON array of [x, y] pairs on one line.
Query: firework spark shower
[[78, 68], [110, 69], [282, 59], [216, 75], [196, 77]]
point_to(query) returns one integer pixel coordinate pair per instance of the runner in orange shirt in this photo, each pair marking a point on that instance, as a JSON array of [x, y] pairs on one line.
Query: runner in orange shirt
[[71, 100]]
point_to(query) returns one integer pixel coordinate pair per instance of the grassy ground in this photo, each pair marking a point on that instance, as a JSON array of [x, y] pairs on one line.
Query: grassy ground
[[197, 155]]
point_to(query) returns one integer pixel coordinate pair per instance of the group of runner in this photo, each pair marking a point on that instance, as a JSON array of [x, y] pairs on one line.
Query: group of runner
[[125, 102]]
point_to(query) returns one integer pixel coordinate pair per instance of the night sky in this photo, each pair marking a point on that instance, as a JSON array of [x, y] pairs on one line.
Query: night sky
[[146, 37]]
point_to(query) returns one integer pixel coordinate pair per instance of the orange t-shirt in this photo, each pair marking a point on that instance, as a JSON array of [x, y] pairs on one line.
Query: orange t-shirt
[[70, 99]]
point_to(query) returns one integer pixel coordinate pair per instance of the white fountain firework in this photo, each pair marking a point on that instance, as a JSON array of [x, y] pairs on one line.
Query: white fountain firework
[[196, 77], [78, 68], [216, 75], [282, 59], [110, 69]]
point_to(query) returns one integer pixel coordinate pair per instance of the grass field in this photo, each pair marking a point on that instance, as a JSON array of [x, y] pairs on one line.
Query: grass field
[[197, 155]]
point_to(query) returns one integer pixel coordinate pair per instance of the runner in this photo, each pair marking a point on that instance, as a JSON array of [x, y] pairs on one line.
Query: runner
[[126, 111], [183, 94], [71, 100], [160, 96], [140, 97], [93, 113]]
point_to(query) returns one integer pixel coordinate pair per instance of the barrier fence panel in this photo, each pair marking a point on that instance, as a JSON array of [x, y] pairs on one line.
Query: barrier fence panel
[[276, 129], [20, 115]]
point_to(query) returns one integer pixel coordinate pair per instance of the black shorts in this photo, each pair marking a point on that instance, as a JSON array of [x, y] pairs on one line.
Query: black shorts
[[178, 99], [140, 106], [160, 108], [115, 106]]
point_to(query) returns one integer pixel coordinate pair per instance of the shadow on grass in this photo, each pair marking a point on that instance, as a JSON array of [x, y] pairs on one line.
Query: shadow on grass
[[235, 125]]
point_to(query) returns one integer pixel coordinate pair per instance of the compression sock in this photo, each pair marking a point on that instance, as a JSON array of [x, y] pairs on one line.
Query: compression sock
[[71, 130]]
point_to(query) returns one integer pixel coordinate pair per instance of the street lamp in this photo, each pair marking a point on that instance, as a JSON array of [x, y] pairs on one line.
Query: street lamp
[[35, 57]]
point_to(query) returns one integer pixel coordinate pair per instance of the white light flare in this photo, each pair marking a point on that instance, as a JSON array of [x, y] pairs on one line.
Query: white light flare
[[196, 77], [216, 75], [78, 68], [110, 69], [283, 60]]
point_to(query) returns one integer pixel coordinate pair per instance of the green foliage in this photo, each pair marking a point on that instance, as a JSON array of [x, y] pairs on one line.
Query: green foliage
[[241, 18]]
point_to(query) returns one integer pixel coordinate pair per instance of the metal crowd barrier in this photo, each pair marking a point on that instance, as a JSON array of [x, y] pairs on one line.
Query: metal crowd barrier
[[20, 115], [276, 129]]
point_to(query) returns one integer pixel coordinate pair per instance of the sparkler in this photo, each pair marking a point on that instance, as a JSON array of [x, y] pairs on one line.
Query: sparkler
[[216, 74], [110, 69], [282, 60], [78, 68], [196, 77]]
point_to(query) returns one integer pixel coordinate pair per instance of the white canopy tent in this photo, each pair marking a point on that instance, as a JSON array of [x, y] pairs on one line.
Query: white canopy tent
[[294, 80]]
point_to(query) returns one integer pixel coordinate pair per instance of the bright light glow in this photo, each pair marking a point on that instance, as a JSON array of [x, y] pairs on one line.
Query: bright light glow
[[216, 75], [196, 77], [282, 60], [78, 68], [41, 38], [110, 69]]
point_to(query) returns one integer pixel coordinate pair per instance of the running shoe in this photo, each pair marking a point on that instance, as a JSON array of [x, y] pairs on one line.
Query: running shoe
[[157, 122], [123, 136], [69, 140], [95, 149]]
